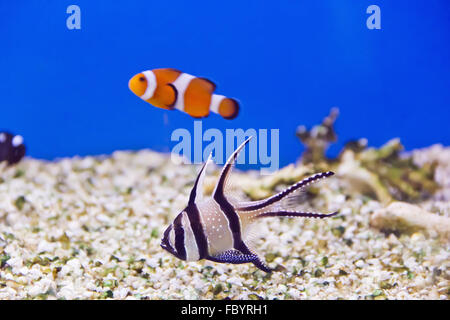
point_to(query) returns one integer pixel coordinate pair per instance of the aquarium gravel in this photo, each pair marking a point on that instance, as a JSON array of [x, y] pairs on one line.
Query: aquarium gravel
[[90, 228]]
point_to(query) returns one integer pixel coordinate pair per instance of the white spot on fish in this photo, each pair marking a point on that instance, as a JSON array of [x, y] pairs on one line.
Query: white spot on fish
[[17, 141]]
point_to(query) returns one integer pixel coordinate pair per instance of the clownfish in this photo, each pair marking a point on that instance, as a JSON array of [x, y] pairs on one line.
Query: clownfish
[[12, 148], [218, 228], [172, 89]]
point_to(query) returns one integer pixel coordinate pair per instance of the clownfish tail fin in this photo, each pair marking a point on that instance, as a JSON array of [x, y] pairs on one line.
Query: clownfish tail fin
[[229, 108], [226, 107]]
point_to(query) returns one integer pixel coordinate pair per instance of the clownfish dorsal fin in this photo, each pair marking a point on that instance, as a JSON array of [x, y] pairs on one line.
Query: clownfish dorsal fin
[[174, 69], [212, 85], [224, 175], [197, 190]]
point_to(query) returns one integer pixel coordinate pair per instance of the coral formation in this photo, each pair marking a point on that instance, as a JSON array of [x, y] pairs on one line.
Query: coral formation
[[383, 172]]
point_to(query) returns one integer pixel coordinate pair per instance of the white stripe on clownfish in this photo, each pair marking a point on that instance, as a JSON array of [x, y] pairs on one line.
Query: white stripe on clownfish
[[181, 85], [216, 99], [151, 85]]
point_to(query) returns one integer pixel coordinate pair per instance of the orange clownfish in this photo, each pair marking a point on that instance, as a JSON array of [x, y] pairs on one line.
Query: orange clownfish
[[172, 89]]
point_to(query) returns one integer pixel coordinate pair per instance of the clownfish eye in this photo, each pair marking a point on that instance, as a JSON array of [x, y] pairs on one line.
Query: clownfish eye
[[142, 79]]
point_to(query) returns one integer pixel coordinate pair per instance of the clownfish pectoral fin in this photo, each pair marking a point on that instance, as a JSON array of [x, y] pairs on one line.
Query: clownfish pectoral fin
[[236, 257], [212, 85], [169, 95], [197, 190]]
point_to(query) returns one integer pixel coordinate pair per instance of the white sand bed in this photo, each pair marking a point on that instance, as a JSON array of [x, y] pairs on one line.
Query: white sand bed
[[90, 228]]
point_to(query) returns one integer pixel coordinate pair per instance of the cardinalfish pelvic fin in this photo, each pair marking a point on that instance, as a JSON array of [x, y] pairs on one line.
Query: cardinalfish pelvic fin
[[172, 89], [217, 228]]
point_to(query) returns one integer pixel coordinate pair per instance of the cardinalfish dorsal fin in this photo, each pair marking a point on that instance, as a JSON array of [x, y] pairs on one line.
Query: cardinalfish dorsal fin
[[197, 190], [224, 175]]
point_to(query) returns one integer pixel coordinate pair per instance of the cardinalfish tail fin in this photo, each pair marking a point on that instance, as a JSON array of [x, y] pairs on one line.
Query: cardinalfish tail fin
[[283, 200], [297, 214], [285, 203], [226, 107]]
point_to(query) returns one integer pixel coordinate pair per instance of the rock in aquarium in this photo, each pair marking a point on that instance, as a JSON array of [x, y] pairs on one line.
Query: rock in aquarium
[[12, 149]]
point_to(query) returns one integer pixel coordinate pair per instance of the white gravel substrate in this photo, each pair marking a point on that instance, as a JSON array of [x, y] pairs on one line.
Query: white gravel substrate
[[90, 228]]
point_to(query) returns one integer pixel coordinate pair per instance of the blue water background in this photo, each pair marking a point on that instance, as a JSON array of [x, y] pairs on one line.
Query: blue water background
[[287, 62]]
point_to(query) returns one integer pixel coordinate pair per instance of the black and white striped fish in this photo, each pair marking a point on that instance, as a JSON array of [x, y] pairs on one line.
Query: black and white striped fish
[[12, 149], [218, 228]]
